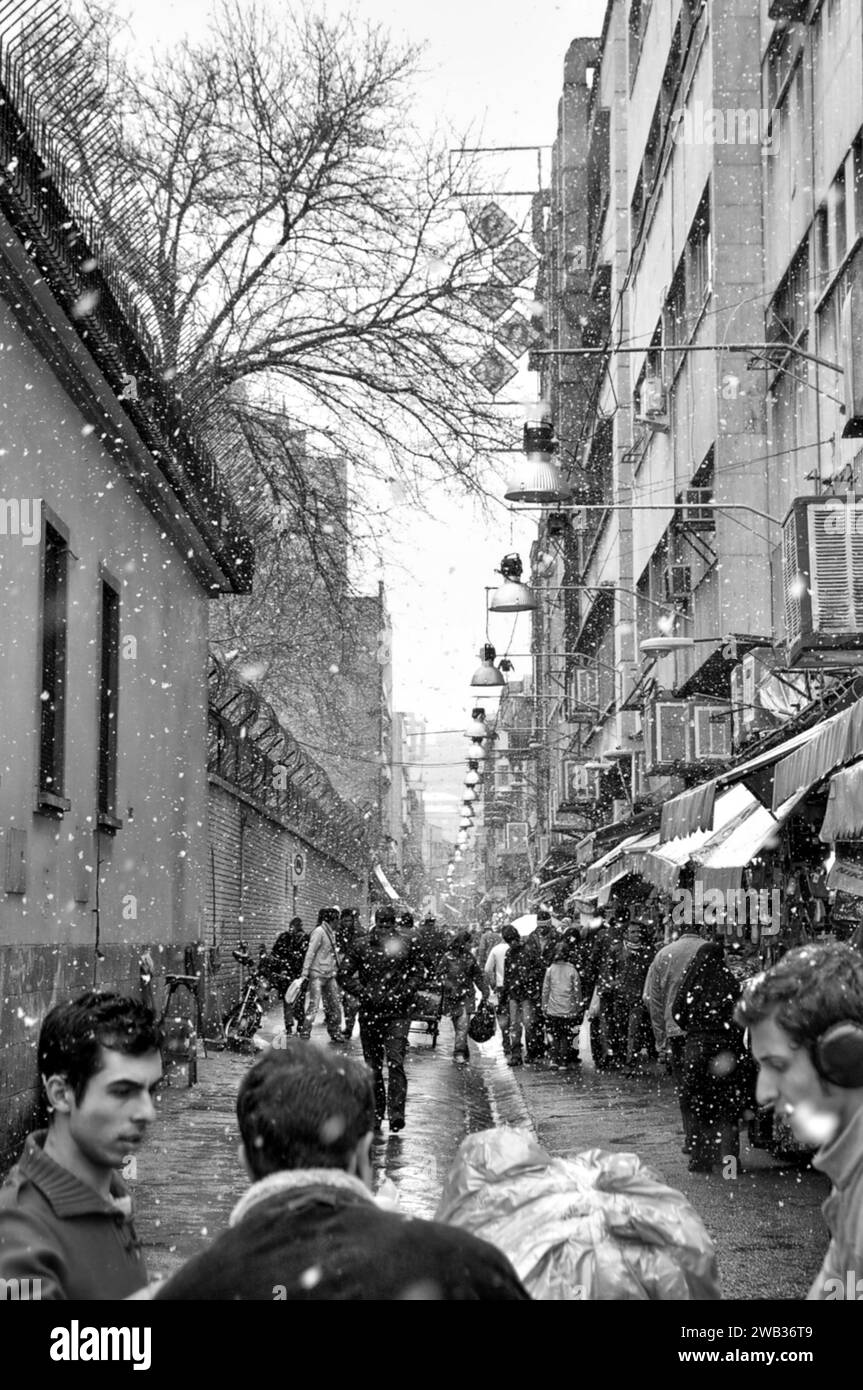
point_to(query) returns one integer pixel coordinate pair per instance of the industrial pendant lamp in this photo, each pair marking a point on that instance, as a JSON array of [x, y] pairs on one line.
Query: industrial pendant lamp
[[469, 796], [472, 778], [538, 478], [512, 596], [477, 726], [487, 674]]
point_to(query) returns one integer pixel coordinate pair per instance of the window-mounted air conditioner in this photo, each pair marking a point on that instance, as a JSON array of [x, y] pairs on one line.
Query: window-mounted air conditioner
[[684, 734], [583, 701], [581, 784], [652, 404], [710, 733], [516, 837], [822, 576], [696, 513], [678, 581]]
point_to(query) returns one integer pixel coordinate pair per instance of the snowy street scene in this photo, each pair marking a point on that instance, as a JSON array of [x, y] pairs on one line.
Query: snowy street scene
[[431, 668]]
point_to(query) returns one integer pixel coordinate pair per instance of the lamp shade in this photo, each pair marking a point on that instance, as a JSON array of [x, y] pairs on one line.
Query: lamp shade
[[470, 795], [477, 727], [471, 779], [487, 674], [656, 646], [537, 480], [512, 597]]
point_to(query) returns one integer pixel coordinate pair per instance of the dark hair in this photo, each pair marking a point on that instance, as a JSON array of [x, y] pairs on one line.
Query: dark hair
[[73, 1034], [295, 922], [300, 1107], [347, 912], [509, 934], [807, 991], [384, 917], [407, 921]]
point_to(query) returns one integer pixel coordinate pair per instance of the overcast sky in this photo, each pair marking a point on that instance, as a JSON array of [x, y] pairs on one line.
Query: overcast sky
[[493, 68]]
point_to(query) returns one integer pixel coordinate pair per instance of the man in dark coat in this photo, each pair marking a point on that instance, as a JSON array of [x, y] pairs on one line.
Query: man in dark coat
[[431, 947], [462, 977], [383, 973], [309, 1227], [523, 976], [348, 934], [285, 964]]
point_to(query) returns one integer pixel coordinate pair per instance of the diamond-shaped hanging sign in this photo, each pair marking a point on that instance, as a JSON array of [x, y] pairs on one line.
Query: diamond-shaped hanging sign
[[493, 299], [492, 225], [516, 335], [515, 262], [493, 371]]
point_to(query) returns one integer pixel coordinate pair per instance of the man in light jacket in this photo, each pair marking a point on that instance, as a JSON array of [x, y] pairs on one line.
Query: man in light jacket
[[562, 1006], [320, 968]]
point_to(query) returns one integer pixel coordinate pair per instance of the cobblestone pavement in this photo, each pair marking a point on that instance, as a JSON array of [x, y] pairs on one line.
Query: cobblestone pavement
[[766, 1221]]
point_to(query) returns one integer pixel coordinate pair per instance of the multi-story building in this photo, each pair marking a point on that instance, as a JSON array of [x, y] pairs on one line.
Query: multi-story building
[[702, 280], [116, 531]]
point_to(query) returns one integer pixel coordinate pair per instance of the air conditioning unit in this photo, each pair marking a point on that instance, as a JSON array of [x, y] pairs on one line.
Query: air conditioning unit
[[666, 736], [652, 404], [710, 733], [696, 513], [583, 696], [516, 837], [580, 783], [678, 581], [787, 9], [852, 358], [822, 576]]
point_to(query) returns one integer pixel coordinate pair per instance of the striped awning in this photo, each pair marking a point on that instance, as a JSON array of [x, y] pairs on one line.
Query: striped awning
[[843, 819], [721, 860], [662, 865], [838, 740]]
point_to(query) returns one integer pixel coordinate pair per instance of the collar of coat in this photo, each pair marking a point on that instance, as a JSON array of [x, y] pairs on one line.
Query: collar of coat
[[842, 1158], [68, 1195], [298, 1182]]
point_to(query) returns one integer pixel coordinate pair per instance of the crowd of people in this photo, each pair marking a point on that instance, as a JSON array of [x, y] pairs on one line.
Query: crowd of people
[[309, 1226]]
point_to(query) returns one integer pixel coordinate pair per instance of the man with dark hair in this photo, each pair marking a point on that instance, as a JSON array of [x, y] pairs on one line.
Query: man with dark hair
[[805, 1025], [65, 1213], [309, 1227], [383, 972], [285, 964], [661, 984]]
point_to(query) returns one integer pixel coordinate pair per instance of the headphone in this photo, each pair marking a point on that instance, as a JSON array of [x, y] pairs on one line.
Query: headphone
[[838, 1055]]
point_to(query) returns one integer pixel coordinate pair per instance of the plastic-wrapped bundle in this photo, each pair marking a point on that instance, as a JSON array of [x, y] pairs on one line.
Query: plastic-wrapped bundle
[[595, 1226]]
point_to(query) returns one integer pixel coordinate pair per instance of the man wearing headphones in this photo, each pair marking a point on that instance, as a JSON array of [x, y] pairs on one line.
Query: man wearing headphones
[[805, 1026]]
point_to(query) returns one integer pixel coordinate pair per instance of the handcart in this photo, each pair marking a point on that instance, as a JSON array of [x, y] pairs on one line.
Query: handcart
[[428, 1008]]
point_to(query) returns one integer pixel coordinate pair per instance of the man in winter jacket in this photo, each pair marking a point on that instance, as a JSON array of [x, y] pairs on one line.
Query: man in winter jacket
[[320, 969], [494, 973], [523, 976], [666, 971], [384, 973], [461, 977], [431, 947], [65, 1214], [285, 964], [309, 1227], [347, 937]]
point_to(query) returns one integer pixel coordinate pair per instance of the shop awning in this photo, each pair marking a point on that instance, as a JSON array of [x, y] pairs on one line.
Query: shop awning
[[838, 740], [607, 837], [721, 860], [662, 865], [385, 883], [843, 819], [693, 809]]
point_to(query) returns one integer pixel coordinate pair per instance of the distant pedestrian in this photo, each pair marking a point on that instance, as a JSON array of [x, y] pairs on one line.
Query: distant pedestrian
[[431, 947], [65, 1212], [284, 965], [383, 973], [495, 966], [523, 978], [348, 934], [638, 953], [660, 992], [461, 977], [716, 1074], [309, 1227], [320, 968], [563, 1009]]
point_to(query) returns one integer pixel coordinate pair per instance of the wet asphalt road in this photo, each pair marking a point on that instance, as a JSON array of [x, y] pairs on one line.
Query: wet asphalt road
[[766, 1221]]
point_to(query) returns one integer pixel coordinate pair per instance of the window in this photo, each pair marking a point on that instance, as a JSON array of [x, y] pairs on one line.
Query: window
[[858, 185], [52, 692], [837, 217], [788, 314], [699, 262], [109, 677]]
